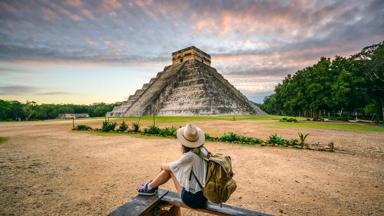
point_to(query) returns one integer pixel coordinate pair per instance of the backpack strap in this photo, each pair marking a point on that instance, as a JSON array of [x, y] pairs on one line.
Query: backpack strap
[[197, 180]]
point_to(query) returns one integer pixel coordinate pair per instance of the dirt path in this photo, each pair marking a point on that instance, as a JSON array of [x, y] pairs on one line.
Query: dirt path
[[45, 169]]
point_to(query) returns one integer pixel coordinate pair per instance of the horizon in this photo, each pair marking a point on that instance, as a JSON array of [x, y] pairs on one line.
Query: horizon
[[80, 52]]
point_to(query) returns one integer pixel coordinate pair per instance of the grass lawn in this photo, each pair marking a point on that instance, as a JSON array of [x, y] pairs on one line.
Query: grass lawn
[[344, 126], [178, 119], [272, 120]]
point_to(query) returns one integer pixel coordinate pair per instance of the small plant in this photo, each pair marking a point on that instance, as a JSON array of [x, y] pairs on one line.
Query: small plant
[[302, 138], [168, 132], [293, 142], [232, 137], [82, 127], [331, 147], [123, 127], [136, 127], [211, 138], [152, 130], [229, 137], [108, 126], [277, 140], [288, 120]]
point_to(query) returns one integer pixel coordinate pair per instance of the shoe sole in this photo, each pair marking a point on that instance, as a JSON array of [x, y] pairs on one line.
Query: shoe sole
[[147, 194]]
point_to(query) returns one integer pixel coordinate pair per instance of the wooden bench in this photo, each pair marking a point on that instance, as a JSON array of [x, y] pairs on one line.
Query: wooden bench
[[152, 205]]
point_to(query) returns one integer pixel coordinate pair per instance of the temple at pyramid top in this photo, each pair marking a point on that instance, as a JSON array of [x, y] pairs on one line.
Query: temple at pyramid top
[[190, 53], [190, 86]]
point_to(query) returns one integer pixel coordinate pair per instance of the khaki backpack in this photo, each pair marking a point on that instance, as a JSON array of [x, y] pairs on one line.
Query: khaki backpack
[[219, 184]]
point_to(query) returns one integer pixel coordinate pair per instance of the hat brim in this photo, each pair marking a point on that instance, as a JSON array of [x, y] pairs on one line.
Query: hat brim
[[199, 142]]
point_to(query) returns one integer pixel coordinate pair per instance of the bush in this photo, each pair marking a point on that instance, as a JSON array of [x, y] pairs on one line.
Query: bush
[[278, 140], [210, 138], [288, 119], [152, 130], [108, 126], [82, 127], [123, 127], [232, 137], [135, 127], [229, 137], [293, 142], [166, 132]]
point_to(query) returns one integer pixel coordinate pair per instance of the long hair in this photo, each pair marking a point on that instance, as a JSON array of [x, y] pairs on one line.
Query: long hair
[[186, 149]]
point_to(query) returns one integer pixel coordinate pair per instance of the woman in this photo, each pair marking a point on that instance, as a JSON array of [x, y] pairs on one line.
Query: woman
[[188, 173]]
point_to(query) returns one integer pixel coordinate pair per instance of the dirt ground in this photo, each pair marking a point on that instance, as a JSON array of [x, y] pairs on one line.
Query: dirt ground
[[46, 169]]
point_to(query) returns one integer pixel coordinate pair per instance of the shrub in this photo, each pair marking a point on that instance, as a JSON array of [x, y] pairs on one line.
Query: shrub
[[288, 119], [229, 137], [166, 132], [207, 136], [293, 142], [135, 127], [82, 127], [152, 130], [278, 140], [123, 127], [302, 138], [232, 137], [108, 126]]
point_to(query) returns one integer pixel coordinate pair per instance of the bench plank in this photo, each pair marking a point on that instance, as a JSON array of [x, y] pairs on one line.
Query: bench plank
[[174, 199], [139, 205]]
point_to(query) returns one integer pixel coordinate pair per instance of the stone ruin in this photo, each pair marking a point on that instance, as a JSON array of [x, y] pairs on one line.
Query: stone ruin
[[190, 86]]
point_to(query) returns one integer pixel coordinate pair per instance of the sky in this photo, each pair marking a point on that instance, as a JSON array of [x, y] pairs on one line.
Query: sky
[[80, 51]]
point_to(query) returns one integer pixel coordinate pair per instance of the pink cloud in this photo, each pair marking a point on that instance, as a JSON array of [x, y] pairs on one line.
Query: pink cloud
[[88, 14], [49, 15], [75, 3]]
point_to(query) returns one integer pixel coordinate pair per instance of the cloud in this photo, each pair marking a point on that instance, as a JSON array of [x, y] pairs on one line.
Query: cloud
[[28, 90], [8, 70], [54, 93], [17, 90], [246, 39]]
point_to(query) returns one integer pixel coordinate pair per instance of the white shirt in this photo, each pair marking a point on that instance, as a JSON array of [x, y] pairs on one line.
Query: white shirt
[[182, 170]]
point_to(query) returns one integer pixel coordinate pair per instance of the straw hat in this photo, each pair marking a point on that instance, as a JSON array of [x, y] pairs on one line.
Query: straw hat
[[191, 136]]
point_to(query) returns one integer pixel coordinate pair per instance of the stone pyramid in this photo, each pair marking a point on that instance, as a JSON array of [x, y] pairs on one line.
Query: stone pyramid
[[190, 86]]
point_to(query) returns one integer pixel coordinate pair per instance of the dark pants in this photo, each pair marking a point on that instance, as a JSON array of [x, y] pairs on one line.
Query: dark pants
[[193, 200]]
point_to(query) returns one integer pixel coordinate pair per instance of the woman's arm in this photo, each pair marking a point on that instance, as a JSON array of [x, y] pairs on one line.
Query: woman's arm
[[165, 167]]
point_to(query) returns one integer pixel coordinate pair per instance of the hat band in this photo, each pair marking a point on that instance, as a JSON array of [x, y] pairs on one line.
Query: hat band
[[189, 139]]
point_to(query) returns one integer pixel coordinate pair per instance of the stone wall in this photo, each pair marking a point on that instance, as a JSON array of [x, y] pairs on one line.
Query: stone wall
[[190, 53]]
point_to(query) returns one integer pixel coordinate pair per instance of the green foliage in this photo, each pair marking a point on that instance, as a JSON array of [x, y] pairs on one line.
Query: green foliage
[[277, 140], [209, 137], [165, 132], [82, 127], [108, 126], [168, 132], [14, 110], [288, 119], [122, 127], [293, 142], [232, 137], [342, 87], [153, 129], [302, 138], [136, 127]]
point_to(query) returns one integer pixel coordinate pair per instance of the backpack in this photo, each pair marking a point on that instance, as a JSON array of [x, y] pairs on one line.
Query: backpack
[[219, 184]]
